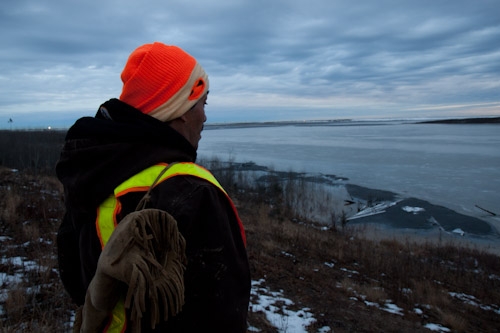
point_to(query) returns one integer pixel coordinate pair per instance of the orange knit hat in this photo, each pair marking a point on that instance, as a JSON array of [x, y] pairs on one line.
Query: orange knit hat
[[162, 81]]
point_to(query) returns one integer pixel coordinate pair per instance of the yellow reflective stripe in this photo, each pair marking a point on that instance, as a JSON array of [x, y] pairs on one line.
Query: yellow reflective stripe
[[143, 180], [140, 181], [192, 170], [118, 320], [106, 219]]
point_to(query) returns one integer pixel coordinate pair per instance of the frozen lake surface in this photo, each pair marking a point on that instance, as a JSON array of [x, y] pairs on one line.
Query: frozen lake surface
[[453, 165]]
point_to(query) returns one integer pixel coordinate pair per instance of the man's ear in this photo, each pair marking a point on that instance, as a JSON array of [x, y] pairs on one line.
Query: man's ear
[[183, 118], [178, 123]]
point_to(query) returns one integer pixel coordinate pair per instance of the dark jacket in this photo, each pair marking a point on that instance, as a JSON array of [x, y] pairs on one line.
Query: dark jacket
[[102, 152]]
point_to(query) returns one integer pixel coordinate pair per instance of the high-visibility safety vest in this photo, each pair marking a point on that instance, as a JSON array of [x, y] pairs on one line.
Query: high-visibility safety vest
[[108, 211]]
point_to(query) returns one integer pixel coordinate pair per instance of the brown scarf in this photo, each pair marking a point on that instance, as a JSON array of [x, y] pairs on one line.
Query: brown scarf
[[144, 258]]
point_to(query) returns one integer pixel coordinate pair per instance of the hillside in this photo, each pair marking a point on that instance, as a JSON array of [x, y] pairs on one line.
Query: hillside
[[306, 277]]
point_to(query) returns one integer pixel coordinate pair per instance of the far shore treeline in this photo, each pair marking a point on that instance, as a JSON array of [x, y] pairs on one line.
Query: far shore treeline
[[35, 151]]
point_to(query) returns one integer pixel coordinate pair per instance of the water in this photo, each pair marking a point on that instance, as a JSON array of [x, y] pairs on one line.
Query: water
[[456, 166]]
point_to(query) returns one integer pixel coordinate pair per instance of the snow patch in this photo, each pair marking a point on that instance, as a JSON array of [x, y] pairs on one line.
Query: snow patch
[[330, 264], [413, 210], [277, 311], [379, 208], [436, 328], [473, 301], [458, 231], [388, 307]]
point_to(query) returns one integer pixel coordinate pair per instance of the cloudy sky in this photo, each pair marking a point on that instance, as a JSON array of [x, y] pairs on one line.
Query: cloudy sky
[[266, 59]]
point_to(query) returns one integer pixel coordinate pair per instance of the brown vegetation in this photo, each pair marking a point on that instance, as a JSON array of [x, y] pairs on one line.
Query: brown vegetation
[[346, 280], [36, 151], [339, 274], [31, 296]]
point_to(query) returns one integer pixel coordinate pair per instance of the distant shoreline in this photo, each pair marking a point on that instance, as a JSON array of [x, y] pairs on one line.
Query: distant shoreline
[[494, 120], [351, 122], [279, 123]]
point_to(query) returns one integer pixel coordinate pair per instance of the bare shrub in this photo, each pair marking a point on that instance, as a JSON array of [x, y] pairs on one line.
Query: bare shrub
[[454, 320], [15, 303], [31, 231], [9, 207], [373, 292]]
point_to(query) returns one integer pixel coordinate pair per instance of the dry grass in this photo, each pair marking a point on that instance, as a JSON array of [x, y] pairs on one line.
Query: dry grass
[[338, 273], [31, 296], [334, 273]]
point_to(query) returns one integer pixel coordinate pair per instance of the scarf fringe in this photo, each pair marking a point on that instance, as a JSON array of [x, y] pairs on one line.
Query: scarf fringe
[[157, 280]]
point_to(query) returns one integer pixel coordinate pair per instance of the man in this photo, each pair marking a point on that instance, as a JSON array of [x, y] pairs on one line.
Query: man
[[157, 121]]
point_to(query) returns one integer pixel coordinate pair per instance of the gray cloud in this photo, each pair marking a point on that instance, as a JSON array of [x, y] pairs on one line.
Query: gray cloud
[[266, 59]]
